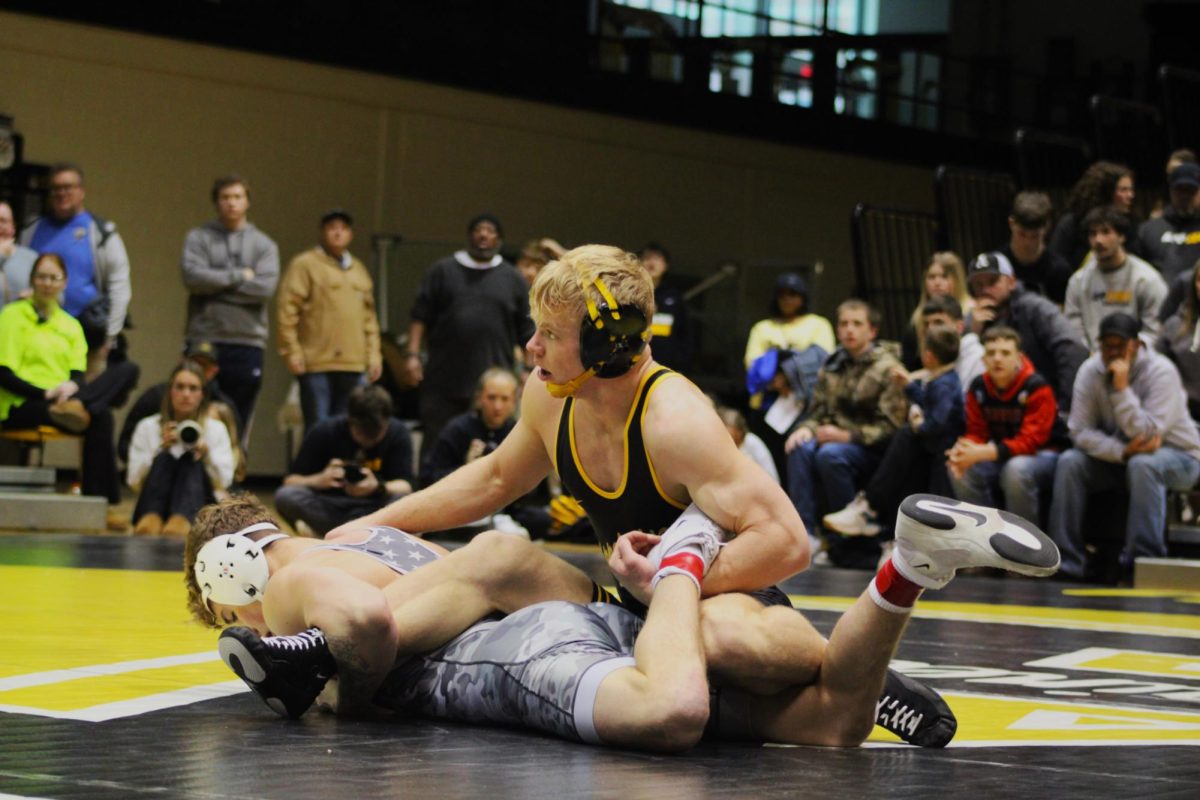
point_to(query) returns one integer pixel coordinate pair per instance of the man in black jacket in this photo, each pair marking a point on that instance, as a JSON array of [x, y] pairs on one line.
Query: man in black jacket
[[1049, 341]]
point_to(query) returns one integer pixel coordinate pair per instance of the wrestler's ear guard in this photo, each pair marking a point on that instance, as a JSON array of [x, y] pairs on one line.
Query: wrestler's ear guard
[[612, 336], [231, 569]]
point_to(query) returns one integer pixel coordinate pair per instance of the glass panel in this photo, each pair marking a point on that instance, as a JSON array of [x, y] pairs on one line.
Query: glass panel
[[793, 81], [732, 73]]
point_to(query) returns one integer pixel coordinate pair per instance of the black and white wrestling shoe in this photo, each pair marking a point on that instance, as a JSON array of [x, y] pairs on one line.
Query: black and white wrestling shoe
[[937, 535], [287, 672], [914, 712]]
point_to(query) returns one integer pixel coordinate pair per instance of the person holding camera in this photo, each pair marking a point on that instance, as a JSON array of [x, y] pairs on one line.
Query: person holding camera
[[348, 465], [178, 458]]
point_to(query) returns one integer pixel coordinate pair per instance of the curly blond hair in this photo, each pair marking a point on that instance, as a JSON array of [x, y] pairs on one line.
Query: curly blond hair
[[230, 515]]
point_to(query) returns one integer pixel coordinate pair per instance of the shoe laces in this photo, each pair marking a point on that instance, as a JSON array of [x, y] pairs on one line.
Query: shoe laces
[[303, 641], [897, 716]]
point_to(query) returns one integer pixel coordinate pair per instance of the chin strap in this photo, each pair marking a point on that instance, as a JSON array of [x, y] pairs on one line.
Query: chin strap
[[561, 390]]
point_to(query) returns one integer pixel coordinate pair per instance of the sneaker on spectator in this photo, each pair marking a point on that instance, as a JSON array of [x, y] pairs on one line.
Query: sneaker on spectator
[[116, 522], [506, 524], [856, 519], [177, 526], [148, 525], [70, 415]]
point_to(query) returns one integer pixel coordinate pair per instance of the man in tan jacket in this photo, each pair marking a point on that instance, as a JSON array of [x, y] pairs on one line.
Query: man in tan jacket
[[328, 331]]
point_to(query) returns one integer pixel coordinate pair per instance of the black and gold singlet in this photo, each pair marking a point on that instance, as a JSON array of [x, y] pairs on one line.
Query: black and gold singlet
[[639, 502]]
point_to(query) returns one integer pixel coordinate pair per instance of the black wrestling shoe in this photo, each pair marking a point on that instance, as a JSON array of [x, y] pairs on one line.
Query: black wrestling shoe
[[914, 712], [287, 672]]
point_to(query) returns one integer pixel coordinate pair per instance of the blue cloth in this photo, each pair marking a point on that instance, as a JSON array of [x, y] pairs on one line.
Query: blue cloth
[[799, 367], [72, 241], [941, 403], [834, 470], [324, 395]]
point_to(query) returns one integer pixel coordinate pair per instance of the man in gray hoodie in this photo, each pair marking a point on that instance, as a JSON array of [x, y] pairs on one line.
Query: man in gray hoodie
[[230, 269], [1130, 425]]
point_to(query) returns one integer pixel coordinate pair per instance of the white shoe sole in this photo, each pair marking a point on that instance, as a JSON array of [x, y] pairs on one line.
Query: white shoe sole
[[239, 659], [939, 534]]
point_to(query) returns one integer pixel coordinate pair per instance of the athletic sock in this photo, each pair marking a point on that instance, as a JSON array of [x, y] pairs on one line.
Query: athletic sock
[[893, 592], [686, 560]]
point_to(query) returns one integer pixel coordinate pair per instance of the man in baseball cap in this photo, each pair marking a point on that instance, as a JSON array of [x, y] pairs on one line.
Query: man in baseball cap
[[1050, 342], [1132, 431]]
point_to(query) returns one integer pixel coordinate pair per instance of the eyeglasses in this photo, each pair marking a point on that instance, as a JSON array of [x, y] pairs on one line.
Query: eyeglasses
[[46, 277], [63, 188]]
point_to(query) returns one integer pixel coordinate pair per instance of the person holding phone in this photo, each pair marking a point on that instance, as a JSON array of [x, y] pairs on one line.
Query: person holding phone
[[348, 465], [178, 458]]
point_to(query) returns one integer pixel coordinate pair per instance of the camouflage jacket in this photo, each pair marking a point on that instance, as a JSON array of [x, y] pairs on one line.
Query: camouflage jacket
[[859, 395]]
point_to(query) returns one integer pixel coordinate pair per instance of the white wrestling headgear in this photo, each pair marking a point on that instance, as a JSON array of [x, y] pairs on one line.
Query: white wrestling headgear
[[232, 568]]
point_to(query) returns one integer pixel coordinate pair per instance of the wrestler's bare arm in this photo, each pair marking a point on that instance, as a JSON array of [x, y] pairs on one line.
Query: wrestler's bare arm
[[472, 491], [696, 458]]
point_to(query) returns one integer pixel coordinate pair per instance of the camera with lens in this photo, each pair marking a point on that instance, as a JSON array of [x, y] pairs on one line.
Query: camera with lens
[[189, 432], [353, 473]]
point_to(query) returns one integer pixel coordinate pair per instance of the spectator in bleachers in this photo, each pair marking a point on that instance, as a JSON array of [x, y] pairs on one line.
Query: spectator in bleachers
[[1131, 430], [230, 269], [674, 339], [99, 287], [348, 465], [43, 356], [471, 313], [748, 443], [150, 401], [535, 254], [1050, 342], [791, 324], [944, 277], [16, 261], [945, 310], [1006, 457], [915, 460], [1103, 183], [325, 315], [1177, 157], [476, 433], [1038, 268], [1179, 340], [1112, 279], [856, 409], [1171, 242], [784, 352], [179, 458]]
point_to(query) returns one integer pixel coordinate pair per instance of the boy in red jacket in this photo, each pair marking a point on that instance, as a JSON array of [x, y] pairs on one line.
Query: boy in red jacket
[[1013, 431]]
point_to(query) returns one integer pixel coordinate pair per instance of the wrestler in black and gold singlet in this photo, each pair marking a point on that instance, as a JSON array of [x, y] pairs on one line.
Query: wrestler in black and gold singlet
[[639, 503]]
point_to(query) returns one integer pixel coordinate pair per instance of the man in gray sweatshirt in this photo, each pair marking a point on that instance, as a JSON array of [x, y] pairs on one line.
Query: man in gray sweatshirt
[[1112, 279], [1130, 425], [230, 269]]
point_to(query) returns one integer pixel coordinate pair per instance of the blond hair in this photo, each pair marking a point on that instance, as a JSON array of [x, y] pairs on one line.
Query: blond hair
[[952, 266], [560, 286], [228, 516]]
